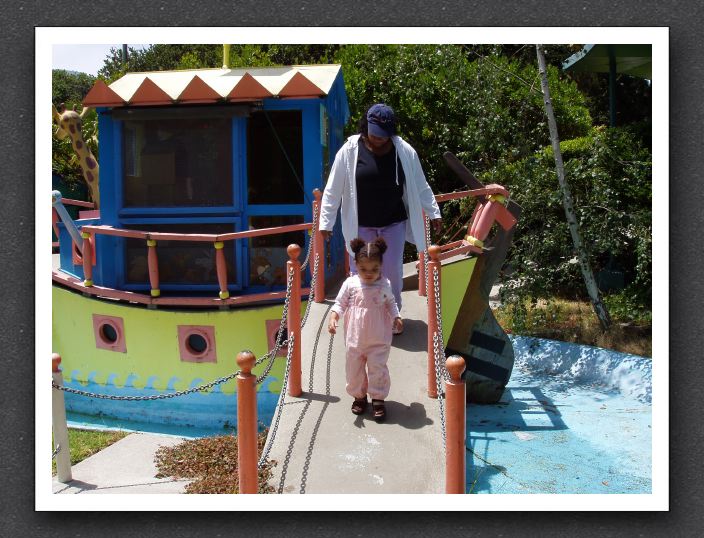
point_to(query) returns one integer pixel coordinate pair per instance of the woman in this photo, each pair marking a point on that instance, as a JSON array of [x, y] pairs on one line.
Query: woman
[[378, 180]]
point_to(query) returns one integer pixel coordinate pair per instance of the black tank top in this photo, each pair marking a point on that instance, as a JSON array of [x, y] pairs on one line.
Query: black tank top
[[379, 197]]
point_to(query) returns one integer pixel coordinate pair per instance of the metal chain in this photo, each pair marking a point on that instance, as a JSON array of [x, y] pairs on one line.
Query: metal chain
[[278, 343], [56, 451], [438, 320], [200, 388], [426, 258], [312, 290], [439, 353], [309, 453], [314, 230], [279, 407]]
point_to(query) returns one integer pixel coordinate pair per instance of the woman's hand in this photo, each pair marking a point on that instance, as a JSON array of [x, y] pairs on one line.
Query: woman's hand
[[398, 325], [332, 323]]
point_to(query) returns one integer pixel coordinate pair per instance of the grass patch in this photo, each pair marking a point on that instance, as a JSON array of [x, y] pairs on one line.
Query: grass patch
[[574, 321], [85, 443], [211, 462]]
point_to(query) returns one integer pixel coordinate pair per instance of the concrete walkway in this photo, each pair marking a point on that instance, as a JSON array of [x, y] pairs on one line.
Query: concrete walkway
[[126, 466], [321, 447]]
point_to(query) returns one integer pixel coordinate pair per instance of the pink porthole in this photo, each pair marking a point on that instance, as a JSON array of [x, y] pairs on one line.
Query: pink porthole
[[196, 343], [272, 329], [109, 333]]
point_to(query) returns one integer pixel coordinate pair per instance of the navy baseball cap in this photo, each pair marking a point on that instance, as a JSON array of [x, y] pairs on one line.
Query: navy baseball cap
[[381, 120]]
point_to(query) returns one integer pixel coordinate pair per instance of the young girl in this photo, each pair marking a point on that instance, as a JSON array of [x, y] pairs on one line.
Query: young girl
[[370, 314]]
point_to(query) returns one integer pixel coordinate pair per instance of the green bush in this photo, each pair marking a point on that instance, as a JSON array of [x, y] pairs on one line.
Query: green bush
[[609, 175]]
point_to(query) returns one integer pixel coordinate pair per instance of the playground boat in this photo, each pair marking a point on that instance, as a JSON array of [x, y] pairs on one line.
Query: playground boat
[[205, 179]]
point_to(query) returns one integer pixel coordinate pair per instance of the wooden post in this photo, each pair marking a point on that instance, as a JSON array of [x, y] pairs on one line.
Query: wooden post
[[221, 267], [153, 263], [247, 424], [421, 266], [58, 423], [294, 320], [434, 263], [87, 260], [318, 250], [455, 422]]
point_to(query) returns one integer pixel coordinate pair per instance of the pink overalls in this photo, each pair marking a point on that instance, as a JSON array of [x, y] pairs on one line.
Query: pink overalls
[[369, 311]]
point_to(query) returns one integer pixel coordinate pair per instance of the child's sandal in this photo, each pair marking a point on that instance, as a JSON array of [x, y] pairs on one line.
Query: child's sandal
[[379, 410], [359, 405]]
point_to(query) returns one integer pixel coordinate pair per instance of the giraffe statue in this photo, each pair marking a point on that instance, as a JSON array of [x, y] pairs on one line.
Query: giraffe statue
[[69, 124]]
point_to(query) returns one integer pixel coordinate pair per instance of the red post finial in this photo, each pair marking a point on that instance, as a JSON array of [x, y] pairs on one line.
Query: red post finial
[[455, 365], [246, 360], [55, 361], [434, 252], [294, 251]]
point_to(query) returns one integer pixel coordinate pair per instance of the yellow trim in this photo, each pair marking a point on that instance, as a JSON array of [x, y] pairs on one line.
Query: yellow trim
[[497, 198], [219, 245], [88, 283], [224, 294], [85, 235], [151, 242], [156, 292], [474, 241]]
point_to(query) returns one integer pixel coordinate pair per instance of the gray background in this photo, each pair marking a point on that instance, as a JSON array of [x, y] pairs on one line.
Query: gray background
[[17, 217]]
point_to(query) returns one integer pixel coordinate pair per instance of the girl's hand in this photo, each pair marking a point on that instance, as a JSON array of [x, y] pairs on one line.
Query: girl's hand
[[398, 325], [332, 324]]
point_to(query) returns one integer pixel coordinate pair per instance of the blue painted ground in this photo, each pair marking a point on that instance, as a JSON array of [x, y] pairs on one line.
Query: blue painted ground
[[573, 419]]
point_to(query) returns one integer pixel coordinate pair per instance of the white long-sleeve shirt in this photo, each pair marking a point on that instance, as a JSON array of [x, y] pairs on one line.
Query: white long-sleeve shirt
[[341, 190]]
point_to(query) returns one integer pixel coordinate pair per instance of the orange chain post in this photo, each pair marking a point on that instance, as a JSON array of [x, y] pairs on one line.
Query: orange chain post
[[455, 404], [434, 263], [58, 423], [247, 424], [294, 320], [318, 251]]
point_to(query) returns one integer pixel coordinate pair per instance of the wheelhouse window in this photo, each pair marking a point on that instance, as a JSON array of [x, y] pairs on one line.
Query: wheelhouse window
[[275, 157], [177, 162], [268, 253]]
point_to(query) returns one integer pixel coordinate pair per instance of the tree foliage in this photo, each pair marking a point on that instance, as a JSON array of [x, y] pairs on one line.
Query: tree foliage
[[609, 173], [483, 103]]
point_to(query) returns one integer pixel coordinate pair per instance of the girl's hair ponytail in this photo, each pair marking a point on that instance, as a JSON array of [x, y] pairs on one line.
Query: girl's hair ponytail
[[369, 251]]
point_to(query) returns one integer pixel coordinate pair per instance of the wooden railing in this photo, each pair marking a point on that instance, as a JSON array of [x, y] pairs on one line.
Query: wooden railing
[[152, 239]]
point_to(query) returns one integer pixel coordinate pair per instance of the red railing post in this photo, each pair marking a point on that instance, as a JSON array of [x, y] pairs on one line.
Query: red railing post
[[221, 267], [455, 421], [247, 424], [433, 266], [318, 251], [421, 266], [294, 320], [58, 423], [87, 260], [153, 264]]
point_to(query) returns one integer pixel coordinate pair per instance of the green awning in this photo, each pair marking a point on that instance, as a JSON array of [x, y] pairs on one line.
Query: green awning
[[635, 60]]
